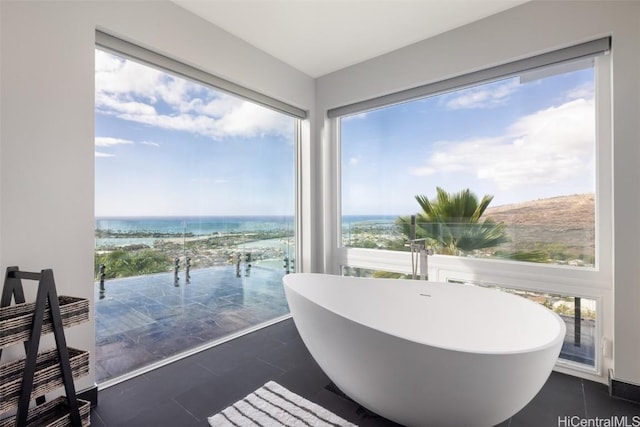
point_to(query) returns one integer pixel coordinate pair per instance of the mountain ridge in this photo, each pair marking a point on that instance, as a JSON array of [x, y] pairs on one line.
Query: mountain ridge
[[575, 210], [563, 222]]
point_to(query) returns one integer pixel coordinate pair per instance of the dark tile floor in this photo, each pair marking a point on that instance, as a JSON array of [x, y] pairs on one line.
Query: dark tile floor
[[145, 319], [186, 392]]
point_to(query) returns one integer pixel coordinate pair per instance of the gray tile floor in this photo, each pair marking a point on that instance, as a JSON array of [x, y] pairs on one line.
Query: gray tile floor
[[145, 319], [186, 392]]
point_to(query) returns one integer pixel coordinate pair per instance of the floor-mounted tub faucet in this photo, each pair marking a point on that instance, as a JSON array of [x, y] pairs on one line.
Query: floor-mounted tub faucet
[[419, 253]]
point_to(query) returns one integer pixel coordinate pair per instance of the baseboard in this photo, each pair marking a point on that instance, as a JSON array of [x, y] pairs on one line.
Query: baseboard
[[90, 394], [623, 390]]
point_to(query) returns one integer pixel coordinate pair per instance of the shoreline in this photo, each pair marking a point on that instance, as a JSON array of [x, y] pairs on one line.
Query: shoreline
[[203, 251]]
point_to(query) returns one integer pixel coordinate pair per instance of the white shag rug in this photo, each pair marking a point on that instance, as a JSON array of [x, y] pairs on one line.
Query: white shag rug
[[274, 406]]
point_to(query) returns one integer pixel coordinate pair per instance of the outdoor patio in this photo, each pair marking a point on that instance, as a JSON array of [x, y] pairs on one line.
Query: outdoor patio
[[143, 320]]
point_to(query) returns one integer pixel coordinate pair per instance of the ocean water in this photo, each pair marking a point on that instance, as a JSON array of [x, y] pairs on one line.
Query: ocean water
[[177, 227], [199, 226], [196, 226]]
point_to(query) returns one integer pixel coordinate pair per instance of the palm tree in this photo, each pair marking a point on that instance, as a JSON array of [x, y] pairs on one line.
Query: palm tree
[[452, 222]]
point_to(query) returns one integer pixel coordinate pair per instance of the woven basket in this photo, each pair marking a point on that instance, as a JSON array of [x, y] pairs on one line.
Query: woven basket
[[48, 375], [52, 414], [16, 320]]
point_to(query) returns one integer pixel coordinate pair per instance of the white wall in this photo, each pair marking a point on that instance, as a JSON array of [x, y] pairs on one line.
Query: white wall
[[532, 28], [47, 121]]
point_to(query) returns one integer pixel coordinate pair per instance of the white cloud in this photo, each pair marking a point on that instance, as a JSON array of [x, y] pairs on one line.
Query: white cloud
[[585, 91], [356, 116], [150, 143], [141, 94], [126, 79], [548, 147], [105, 141], [247, 119], [100, 154], [117, 106], [484, 96]]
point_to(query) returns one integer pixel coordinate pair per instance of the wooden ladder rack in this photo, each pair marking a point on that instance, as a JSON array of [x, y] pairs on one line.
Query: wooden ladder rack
[[46, 299]]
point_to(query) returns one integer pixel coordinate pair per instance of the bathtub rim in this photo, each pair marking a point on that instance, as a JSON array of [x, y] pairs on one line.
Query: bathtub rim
[[542, 347]]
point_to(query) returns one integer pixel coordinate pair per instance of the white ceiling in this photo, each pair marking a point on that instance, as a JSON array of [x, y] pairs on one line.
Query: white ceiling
[[321, 36]]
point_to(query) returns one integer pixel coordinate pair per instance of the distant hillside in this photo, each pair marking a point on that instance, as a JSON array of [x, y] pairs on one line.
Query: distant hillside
[[575, 211], [564, 220]]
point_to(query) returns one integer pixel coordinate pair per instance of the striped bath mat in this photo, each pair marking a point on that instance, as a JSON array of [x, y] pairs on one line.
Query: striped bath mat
[[274, 406]]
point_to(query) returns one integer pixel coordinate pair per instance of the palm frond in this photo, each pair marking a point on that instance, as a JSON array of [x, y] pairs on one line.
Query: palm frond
[[453, 221]]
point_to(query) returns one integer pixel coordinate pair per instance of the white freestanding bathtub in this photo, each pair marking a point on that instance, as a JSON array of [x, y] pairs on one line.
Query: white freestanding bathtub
[[426, 353]]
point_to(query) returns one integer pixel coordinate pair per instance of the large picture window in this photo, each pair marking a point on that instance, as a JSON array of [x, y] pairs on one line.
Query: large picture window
[[195, 209], [503, 173], [500, 169]]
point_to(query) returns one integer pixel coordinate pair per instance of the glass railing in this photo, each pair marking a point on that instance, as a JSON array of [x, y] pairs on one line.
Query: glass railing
[[567, 245], [136, 246], [166, 286], [578, 313]]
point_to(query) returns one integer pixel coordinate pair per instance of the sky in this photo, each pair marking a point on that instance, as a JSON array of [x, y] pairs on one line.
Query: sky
[[166, 146], [517, 141]]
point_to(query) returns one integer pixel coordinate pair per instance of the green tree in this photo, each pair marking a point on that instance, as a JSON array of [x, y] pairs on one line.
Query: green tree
[[452, 222], [124, 263]]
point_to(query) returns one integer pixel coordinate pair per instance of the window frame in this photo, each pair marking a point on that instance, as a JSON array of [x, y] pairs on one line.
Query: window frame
[[122, 48], [593, 283]]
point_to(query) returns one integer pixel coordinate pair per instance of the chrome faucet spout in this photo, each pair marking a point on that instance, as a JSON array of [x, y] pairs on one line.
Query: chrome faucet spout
[[419, 252]]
